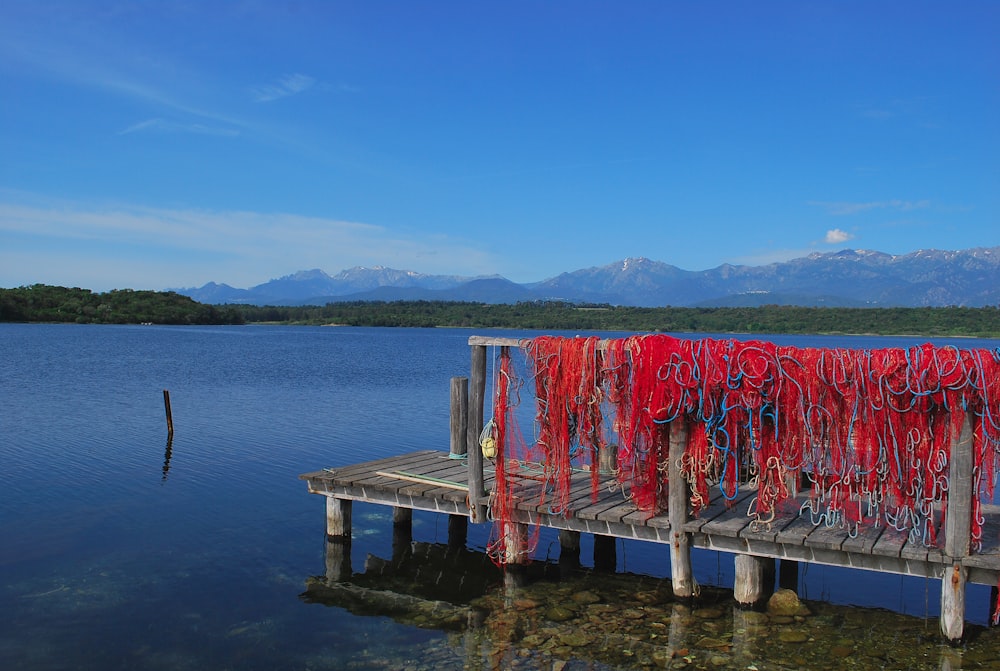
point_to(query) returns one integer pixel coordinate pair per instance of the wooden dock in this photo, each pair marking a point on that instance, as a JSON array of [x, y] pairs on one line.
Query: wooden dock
[[396, 481], [458, 483]]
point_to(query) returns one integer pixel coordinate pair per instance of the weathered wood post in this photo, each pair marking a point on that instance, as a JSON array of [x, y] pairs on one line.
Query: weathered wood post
[[607, 459], [956, 533], [477, 395], [515, 542], [338, 539], [569, 548], [681, 575], [459, 420], [338, 518], [170, 415], [459, 449], [754, 582]]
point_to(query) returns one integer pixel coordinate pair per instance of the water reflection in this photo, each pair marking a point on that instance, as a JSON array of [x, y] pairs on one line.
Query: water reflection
[[559, 617], [167, 454]]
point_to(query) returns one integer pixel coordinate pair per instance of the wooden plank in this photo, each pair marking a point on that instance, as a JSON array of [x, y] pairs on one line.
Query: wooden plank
[[717, 505], [372, 477], [786, 513], [606, 501], [796, 532], [365, 471], [646, 518], [864, 540], [486, 341], [890, 543], [618, 513], [826, 538]]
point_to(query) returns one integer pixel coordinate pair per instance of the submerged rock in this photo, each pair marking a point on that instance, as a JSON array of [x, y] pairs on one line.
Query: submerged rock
[[785, 602]]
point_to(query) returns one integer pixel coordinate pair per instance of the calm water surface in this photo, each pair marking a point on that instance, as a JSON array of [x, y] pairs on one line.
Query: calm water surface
[[120, 550]]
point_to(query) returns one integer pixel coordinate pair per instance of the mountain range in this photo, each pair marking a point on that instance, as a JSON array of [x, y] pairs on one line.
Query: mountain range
[[847, 278]]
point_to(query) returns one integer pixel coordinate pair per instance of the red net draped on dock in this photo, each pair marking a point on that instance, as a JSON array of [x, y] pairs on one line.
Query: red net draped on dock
[[869, 431]]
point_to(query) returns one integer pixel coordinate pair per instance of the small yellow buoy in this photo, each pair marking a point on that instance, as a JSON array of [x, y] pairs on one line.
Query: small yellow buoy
[[487, 441]]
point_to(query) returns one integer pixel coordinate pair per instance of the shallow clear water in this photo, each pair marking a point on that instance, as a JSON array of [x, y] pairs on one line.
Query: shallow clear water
[[119, 550]]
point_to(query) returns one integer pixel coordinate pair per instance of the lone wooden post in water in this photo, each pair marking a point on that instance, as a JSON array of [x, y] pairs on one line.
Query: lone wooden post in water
[[681, 575], [170, 416], [958, 518]]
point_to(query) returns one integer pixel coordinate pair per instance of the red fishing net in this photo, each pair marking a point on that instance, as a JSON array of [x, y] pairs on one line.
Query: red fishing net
[[869, 430]]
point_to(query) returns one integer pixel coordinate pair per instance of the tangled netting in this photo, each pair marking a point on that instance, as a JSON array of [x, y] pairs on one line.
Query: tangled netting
[[869, 433]]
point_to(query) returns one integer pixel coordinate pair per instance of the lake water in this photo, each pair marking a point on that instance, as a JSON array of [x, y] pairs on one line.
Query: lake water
[[119, 551]]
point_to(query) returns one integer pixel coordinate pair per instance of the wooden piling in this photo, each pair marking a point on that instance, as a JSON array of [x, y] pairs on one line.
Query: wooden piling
[[605, 553], [459, 421], [754, 582], [681, 574], [788, 575], [338, 539], [515, 539], [402, 533], [338, 518], [956, 533], [458, 531], [476, 395], [569, 548], [170, 415]]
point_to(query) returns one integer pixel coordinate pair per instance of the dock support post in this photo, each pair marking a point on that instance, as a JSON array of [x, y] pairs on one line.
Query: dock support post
[[338, 518], [956, 534], [338, 539], [788, 575], [681, 575], [458, 531], [569, 548], [402, 533], [477, 395], [754, 581], [515, 543], [605, 554], [459, 420]]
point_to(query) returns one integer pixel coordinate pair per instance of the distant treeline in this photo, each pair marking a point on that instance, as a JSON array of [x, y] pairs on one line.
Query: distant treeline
[[947, 321], [42, 303]]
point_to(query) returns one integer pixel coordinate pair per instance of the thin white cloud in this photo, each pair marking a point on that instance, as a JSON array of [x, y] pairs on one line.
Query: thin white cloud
[[167, 126], [288, 85], [840, 208], [111, 65], [836, 236], [190, 247]]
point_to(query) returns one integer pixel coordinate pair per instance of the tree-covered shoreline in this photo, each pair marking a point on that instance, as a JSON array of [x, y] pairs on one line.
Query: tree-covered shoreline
[[43, 303]]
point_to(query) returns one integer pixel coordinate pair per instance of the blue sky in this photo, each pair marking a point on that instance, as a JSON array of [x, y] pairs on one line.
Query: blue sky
[[156, 144]]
